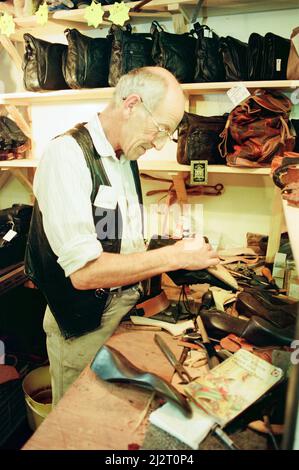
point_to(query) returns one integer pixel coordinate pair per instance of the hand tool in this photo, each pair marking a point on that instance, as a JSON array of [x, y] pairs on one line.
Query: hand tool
[[180, 369]]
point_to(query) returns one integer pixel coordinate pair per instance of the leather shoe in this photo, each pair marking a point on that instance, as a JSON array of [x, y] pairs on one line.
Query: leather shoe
[[255, 302], [109, 364], [257, 330]]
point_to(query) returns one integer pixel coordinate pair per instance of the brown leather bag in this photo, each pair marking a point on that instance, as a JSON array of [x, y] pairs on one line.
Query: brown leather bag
[[198, 138], [257, 129], [293, 61]]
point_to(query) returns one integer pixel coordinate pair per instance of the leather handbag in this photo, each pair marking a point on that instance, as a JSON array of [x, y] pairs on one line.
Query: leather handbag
[[257, 130], [16, 218], [255, 56], [86, 63], [268, 57], [293, 59], [42, 64], [13, 142], [174, 52], [234, 54], [129, 51], [198, 138], [208, 59], [275, 57]]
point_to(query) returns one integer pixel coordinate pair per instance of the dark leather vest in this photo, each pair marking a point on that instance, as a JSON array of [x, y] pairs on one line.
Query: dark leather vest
[[76, 311]]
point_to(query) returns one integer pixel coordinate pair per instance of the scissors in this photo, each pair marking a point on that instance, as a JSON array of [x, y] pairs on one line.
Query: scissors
[[180, 369]]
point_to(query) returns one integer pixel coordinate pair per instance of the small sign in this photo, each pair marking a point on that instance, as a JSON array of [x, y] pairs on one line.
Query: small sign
[[295, 40], [119, 13], [42, 14], [7, 24], [237, 94], [199, 172], [9, 235], [278, 65], [94, 14]]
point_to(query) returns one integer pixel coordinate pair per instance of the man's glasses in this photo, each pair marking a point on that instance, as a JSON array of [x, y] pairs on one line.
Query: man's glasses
[[162, 133]]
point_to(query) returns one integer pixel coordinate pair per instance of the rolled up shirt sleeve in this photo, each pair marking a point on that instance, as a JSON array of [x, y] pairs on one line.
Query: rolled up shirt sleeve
[[62, 186]]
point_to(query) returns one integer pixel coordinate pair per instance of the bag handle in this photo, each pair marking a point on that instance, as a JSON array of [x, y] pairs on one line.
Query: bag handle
[[222, 147], [156, 27]]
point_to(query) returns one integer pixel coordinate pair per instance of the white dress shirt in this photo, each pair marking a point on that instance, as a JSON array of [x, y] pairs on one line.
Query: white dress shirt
[[63, 186]]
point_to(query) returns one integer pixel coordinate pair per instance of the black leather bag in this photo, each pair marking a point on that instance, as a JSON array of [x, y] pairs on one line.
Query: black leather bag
[[129, 51], [42, 64], [275, 57], [13, 142], [174, 52], [255, 56], [198, 138], [86, 64], [208, 60], [16, 218], [234, 54]]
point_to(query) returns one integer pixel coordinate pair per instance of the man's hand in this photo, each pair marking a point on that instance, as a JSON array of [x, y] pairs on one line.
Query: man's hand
[[194, 253]]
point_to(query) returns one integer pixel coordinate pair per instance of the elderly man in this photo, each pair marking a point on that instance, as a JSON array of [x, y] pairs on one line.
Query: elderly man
[[85, 249]]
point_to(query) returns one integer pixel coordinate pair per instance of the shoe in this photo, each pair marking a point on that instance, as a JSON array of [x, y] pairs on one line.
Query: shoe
[[109, 364], [255, 302], [256, 331]]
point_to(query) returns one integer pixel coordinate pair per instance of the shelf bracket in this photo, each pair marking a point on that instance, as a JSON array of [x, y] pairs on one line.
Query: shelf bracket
[[11, 50], [179, 22], [22, 179], [275, 226], [4, 178]]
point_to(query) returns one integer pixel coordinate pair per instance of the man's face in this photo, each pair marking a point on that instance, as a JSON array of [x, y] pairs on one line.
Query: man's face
[[146, 129]]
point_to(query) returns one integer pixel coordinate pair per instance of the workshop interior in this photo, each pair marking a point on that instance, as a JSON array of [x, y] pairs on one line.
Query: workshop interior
[[204, 358]]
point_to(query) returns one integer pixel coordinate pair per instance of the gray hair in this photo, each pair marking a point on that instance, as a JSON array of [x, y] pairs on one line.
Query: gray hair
[[150, 86]]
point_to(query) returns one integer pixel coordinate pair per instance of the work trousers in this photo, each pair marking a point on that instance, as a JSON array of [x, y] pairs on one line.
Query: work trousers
[[68, 357]]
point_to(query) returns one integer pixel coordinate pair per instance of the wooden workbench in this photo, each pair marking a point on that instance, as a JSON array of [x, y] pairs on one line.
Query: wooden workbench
[[94, 414]]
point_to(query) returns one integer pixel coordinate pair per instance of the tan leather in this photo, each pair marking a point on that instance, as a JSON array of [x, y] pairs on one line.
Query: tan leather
[[154, 305], [260, 426], [293, 61]]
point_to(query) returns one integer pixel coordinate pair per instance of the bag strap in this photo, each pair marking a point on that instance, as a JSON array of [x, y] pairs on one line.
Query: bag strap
[[222, 147], [156, 27], [276, 104]]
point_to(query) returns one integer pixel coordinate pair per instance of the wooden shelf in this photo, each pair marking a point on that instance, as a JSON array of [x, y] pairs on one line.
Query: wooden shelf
[[19, 163], [172, 166], [221, 87], [59, 20], [153, 165], [26, 98]]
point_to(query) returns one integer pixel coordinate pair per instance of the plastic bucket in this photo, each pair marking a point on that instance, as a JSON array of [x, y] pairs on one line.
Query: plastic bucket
[[38, 395]]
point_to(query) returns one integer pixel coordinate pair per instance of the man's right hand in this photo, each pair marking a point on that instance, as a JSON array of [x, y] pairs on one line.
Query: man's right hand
[[194, 253]]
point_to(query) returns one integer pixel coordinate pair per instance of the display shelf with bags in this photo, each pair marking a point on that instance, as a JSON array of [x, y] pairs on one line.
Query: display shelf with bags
[[195, 92]]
